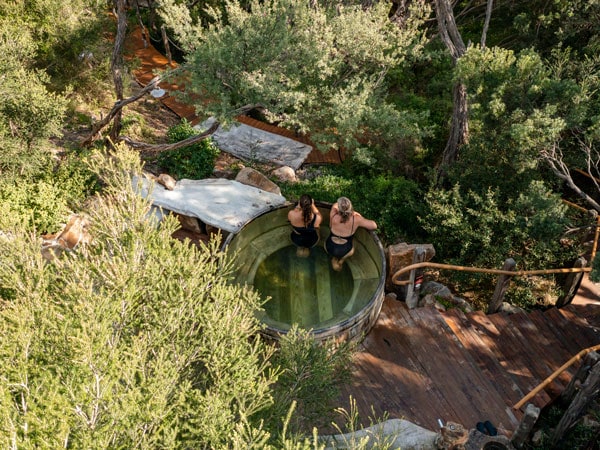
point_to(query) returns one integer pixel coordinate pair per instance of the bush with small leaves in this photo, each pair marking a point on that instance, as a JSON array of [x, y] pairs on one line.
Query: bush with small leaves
[[195, 161]]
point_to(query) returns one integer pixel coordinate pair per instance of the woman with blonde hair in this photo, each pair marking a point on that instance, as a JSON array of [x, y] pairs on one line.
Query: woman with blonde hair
[[343, 223], [305, 219]]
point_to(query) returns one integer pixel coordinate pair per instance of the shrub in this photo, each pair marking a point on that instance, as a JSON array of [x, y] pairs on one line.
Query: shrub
[[309, 378], [195, 161], [482, 231], [42, 201]]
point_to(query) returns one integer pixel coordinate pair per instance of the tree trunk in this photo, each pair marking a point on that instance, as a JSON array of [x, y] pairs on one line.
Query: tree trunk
[[486, 24], [116, 63], [459, 128], [588, 393]]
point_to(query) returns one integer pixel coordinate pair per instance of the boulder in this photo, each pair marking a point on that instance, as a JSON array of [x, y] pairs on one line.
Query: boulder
[[163, 179], [401, 255], [189, 223], [73, 234], [167, 181], [285, 173], [251, 177]]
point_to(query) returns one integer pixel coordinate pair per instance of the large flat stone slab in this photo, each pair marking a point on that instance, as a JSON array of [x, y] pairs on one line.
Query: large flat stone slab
[[225, 204], [252, 144]]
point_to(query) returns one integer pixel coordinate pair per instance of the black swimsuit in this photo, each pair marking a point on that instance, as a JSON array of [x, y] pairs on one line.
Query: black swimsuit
[[305, 236], [339, 250]]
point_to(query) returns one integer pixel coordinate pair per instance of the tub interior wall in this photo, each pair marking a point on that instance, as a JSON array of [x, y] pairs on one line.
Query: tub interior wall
[[269, 234]]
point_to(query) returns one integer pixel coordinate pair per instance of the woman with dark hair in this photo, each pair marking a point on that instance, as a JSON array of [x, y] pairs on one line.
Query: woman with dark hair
[[343, 223], [305, 219]]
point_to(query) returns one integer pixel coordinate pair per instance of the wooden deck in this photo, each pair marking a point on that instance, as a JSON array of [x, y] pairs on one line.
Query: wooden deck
[[423, 365]]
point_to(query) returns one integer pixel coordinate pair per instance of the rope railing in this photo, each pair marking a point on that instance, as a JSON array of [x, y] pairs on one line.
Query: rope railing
[[556, 373], [483, 270]]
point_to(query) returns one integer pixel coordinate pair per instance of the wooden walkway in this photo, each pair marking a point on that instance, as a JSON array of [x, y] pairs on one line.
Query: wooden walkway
[[422, 365]]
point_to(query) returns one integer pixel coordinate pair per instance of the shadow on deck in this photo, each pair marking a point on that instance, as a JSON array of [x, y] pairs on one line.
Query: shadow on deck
[[423, 365]]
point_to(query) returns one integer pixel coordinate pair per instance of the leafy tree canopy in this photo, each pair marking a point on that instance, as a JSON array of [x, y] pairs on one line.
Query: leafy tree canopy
[[318, 70]]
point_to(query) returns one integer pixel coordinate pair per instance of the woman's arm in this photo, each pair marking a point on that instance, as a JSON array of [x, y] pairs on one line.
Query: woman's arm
[[366, 223]]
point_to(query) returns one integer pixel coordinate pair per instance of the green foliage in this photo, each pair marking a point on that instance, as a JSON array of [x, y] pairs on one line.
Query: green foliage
[[595, 273], [481, 229], [195, 161], [307, 67], [42, 200], [352, 437], [29, 112], [136, 341], [310, 377]]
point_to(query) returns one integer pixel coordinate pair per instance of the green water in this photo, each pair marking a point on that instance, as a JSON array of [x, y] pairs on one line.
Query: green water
[[304, 291]]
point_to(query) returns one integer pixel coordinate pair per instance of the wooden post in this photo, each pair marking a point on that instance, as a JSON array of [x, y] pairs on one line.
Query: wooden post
[[501, 287], [572, 284], [412, 296], [166, 43], [531, 415], [588, 392], [569, 392]]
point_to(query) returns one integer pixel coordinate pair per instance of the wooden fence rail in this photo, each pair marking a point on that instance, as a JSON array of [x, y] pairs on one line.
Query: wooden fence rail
[[505, 275]]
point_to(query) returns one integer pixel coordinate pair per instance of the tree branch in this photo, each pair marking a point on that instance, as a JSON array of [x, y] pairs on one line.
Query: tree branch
[[554, 157], [167, 147], [486, 24], [118, 106]]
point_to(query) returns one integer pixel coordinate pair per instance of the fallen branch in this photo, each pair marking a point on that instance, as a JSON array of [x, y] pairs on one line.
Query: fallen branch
[[166, 147], [118, 106]]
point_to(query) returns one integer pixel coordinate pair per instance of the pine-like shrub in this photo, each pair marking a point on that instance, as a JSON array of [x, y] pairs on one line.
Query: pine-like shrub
[[196, 161]]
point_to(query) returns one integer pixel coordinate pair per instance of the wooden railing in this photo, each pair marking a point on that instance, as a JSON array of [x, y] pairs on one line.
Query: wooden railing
[[505, 274], [578, 394]]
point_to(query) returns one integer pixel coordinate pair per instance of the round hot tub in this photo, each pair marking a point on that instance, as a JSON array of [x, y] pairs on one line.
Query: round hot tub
[[340, 305]]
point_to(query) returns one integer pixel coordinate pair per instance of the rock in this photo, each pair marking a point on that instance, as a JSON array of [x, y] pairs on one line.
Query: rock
[[189, 224], [251, 177], [437, 290], [391, 296], [163, 179], [73, 234], [401, 255], [167, 181], [430, 300], [537, 438], [452, 436], [285, 173], [254, 144], [396, 433], [509, 309]]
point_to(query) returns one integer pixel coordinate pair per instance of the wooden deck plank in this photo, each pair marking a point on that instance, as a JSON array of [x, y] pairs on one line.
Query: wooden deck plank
[[547, 344], [567, 348], [423, 366], [539, 348], [581, 325], [475, 341], [395, 349], [529, 369], [476, 396], [567, 330], [443, 380], [507, 350]]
